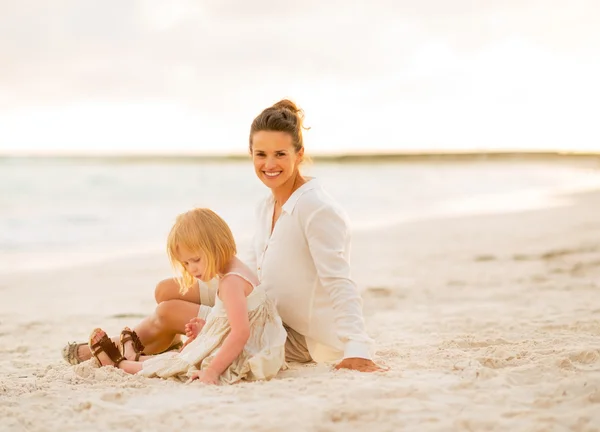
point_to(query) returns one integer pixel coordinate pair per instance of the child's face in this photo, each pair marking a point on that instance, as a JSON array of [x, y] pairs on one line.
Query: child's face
[[193, 262]]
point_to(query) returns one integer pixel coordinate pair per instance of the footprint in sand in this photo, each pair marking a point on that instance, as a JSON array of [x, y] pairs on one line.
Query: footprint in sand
[[581, 267], [586, 357], [388, 353], [469, 343], [555, 253], [483, 258], [457, 283], [83, 406], [127, 315], [115, 397], [538, 278], [558, 253], [379, 291], [588, 360]]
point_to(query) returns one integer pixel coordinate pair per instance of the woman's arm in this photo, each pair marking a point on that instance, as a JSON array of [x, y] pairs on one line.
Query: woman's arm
[[328, 238]]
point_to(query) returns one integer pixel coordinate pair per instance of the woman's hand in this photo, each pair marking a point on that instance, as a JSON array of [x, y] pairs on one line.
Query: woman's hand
[[205, 376], [360, 364]]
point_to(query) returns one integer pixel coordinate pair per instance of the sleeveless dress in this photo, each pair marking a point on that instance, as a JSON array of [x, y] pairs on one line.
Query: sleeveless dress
[[263, 355]]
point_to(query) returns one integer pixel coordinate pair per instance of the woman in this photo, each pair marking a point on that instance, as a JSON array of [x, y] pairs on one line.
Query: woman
[[302, 247], [300, 252]]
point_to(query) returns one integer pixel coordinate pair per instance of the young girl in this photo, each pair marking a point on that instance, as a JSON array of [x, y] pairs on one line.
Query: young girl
[[243, 337]]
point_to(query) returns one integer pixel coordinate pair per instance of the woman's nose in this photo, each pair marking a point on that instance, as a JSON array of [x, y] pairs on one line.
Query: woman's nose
[[270, 163]]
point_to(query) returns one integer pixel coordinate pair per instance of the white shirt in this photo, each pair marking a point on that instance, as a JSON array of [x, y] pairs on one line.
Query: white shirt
[[304, 266]]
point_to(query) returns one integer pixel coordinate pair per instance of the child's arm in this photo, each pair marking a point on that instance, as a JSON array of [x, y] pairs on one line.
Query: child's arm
[[232, 293]]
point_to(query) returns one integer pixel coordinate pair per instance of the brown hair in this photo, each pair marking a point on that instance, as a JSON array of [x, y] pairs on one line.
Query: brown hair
[[283, 116], [203, 231]]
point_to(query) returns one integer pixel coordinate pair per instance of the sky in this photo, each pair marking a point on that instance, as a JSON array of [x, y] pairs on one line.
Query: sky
[[188, 76]]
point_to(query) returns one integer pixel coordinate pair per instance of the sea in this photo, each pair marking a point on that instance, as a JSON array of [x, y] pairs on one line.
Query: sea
[[59, 212]]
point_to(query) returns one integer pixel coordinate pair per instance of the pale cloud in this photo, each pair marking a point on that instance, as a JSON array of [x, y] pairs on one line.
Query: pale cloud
[[384, 74]]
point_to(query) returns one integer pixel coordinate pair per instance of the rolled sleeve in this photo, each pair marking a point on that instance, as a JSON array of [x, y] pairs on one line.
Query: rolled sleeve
[[328, 238], [355, 349]]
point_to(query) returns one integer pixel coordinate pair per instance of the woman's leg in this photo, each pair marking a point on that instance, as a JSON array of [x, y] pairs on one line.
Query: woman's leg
[[160, 324], [168, 289], [168, 320]]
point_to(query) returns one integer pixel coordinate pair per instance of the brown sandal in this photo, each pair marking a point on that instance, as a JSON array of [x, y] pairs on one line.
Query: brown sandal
[[69, 351], [138, 346], [106, 345]]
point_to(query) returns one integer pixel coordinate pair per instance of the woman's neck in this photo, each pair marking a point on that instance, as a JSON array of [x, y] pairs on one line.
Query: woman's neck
[[285, 191]]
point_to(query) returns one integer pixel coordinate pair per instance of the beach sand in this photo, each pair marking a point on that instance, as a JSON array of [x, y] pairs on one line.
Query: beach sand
[[487, 322]]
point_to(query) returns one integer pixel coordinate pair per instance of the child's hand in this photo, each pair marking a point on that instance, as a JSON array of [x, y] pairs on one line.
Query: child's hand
[[206, 376], [192, 329]]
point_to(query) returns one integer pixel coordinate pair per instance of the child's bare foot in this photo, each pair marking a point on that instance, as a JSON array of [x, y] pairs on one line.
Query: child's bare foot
[[104, 349]]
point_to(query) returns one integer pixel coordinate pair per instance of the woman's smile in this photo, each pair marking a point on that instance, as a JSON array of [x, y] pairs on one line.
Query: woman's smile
[[272, 174]]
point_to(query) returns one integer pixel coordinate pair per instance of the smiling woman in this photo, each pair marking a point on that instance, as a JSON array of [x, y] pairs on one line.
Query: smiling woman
[[303, 231]]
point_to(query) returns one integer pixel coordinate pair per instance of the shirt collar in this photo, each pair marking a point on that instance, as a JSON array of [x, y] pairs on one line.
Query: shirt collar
[[290, 204]]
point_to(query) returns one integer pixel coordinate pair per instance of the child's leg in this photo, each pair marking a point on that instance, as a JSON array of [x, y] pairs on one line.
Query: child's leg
[[131, 367]]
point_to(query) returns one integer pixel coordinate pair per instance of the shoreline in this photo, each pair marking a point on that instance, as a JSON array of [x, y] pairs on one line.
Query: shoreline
[[540, 202]]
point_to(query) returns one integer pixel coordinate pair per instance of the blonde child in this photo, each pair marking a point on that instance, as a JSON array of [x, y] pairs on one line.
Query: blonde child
[[243, 337]]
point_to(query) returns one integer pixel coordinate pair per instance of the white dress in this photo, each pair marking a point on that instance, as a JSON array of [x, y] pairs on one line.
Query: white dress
[[263, 355]]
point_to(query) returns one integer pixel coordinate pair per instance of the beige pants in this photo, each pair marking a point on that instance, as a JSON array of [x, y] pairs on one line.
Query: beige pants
[[295, 345]]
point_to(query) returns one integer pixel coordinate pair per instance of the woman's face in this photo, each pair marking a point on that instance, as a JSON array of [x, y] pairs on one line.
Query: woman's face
[[275, 158]]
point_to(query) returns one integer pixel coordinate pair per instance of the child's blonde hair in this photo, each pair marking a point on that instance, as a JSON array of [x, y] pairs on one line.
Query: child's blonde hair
[[201, 230]]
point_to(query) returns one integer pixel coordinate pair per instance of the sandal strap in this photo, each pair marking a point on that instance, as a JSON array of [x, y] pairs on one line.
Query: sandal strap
[[70, 353], [106, 345], [131, 335]]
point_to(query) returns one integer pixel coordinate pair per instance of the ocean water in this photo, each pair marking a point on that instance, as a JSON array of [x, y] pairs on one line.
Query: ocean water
[[58, 212]]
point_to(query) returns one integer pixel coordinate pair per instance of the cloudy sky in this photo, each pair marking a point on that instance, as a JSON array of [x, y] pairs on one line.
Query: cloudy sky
[[81, 76]]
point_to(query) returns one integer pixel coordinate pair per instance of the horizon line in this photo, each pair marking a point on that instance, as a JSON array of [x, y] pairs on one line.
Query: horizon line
[[333, 157]]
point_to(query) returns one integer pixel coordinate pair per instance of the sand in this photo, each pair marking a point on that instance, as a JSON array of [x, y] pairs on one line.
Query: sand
[[487, 323]]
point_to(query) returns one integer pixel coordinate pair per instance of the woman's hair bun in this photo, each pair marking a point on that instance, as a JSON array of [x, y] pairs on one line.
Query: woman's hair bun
[[287, 104]]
